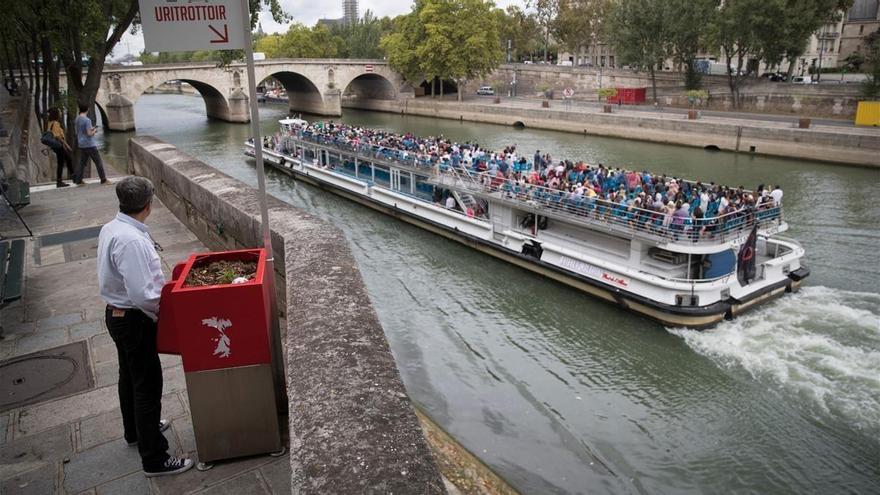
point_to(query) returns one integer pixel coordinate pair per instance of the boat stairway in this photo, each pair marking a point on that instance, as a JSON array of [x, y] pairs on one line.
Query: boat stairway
[[465, 200]]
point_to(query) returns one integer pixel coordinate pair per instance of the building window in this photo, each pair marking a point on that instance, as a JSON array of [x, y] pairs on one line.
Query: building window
[[861, 29]]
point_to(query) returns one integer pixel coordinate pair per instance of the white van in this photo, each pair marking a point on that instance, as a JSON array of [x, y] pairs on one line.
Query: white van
[[565, 63], [486, 90]]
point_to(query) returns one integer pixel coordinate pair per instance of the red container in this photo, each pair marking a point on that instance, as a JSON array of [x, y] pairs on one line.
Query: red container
[[216, 326], [629, 96]]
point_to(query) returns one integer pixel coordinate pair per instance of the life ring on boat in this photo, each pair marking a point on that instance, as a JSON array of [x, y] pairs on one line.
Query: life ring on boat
[[470, 212]]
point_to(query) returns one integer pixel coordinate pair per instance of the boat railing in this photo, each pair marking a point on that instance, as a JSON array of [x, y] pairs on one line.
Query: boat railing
[[613, 216], [540, 200]]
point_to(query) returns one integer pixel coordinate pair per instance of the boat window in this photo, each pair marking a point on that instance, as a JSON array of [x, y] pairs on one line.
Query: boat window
[[404, 182], [719, 264], [424, 189], [383, 176]]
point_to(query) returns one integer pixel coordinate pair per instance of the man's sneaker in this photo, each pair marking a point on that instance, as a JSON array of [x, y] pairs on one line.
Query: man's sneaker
[[164, 424], [173, 465]]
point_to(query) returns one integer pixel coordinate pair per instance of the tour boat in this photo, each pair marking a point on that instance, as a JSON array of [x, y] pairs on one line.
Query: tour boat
[[676, 275]]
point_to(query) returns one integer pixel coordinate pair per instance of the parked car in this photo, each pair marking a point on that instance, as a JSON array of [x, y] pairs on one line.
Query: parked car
[[486, 90], [565, 63], [528, 62], [773, 76], [802, 80]]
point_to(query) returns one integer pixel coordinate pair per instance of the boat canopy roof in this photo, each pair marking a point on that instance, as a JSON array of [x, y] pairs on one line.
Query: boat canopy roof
[[291, 123]]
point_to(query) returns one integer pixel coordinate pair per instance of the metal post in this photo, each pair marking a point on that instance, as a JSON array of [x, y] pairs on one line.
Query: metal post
[[277, 356]]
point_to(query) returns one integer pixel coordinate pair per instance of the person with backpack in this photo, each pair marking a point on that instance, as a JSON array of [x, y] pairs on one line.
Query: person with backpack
[[62, 149]]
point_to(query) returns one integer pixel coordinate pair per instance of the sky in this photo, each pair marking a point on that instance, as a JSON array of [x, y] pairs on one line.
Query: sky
[[305, 12]]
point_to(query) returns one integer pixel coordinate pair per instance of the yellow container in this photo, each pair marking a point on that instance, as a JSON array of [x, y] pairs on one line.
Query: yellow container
[[868, 113]]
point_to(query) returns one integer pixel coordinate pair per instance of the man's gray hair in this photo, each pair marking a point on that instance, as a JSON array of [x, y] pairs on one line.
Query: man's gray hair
[[134, 194]]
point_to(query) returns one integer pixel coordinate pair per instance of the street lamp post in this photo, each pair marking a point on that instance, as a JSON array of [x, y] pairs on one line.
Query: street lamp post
[[821, 53]]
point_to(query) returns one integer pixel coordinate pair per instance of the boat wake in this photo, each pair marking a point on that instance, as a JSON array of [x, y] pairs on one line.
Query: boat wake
[[821, 344]]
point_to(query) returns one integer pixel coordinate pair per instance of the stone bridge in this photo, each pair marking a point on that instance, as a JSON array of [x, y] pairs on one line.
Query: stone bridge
[[316, 86]]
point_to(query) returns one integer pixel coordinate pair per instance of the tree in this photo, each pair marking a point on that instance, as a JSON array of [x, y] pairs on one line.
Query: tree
[[361, 39], [638, 30], [545, 14], [687, 29], [432, 42], [871, 86], [74, 34], [400, 45], [579, 23], [801, 19], [521, 29], [478, 52], [738, 28]]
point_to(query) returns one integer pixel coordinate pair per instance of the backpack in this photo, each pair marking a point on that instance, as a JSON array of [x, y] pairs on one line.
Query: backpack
[[50, 140]]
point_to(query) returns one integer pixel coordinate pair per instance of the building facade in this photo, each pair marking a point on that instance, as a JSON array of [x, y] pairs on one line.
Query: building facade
[[862, 19], [350, 11]]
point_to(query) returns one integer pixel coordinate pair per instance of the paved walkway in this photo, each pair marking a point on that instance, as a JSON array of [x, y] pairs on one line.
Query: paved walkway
[[73, 444]]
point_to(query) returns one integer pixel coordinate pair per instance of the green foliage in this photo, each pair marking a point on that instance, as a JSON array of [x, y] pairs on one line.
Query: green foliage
[[639, 30], [605, 93], [686, 30], [433, 42], [361, 39], [579, 23], [401, 43], [545, 12], [854, 61], [521, 29], [871, 86]]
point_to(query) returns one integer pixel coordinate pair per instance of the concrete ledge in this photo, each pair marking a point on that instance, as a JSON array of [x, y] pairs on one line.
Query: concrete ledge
[[352, 427]]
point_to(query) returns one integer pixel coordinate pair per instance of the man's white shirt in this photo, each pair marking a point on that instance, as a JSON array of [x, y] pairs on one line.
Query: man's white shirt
[[129, 269]]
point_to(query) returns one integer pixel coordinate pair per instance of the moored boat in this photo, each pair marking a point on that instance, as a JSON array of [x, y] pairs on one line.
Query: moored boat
[[691, 273]]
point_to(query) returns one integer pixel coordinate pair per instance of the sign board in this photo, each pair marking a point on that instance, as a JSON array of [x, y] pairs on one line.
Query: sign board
[[568, 92], [189, 25], [368, 68]]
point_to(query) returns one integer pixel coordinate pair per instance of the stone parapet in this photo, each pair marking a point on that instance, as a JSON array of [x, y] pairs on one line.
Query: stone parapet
[[352, 427]]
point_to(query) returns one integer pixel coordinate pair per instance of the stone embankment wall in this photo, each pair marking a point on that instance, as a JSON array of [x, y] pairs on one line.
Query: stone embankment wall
[[352, 427], [22, 155], [862, 148], [758, 95]]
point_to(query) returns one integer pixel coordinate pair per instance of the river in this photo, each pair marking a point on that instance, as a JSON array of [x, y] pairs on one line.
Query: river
[[561, 393]]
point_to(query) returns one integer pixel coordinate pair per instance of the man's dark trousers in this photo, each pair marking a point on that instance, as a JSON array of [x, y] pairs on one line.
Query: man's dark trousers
[[84, 155], [140, 383]]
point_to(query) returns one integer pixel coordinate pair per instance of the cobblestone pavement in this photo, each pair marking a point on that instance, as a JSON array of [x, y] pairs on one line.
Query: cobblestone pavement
[[73, 444]]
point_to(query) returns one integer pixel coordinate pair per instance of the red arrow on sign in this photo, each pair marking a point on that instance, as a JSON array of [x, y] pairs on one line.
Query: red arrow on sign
[[224, 38]]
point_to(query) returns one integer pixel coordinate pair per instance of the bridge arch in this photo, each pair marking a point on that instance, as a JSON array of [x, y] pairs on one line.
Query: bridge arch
[[369, 86], [303, 94]]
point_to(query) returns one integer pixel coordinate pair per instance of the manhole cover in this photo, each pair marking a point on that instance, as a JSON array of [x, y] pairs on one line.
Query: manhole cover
[[44, 375]]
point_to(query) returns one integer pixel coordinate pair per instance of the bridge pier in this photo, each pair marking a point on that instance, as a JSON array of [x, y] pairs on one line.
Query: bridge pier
[[120, 113], [239, 110], [312, 102]]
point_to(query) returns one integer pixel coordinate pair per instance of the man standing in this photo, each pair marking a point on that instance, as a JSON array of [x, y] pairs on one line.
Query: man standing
[[130, 280], [85, 138]]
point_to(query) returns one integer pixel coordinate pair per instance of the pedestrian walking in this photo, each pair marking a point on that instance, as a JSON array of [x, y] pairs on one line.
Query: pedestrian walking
[[62, 154], [85, 138], [130, 280]]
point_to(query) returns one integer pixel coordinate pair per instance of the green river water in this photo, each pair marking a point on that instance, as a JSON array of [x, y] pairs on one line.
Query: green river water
[[561, 393]]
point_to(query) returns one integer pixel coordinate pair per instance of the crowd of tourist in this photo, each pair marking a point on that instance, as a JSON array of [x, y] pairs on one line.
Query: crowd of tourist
[[638, 199]]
